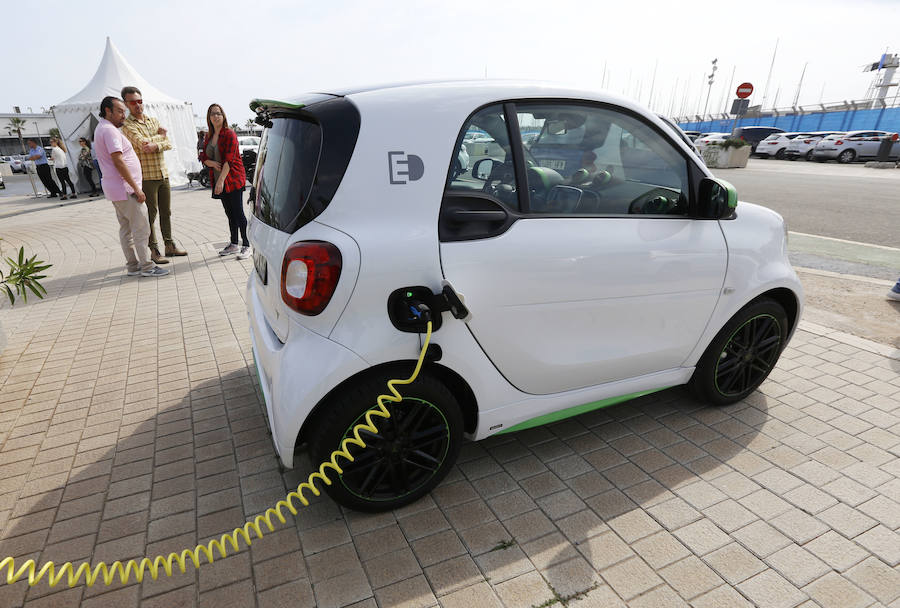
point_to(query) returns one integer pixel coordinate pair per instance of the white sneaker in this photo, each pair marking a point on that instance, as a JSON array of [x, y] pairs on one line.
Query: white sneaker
[[232, 248], [156, 271], [245, 253], [133, 273], [894, 295]]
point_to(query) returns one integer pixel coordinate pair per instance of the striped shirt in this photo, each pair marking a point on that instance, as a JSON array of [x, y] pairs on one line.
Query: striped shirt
[[153, 165]]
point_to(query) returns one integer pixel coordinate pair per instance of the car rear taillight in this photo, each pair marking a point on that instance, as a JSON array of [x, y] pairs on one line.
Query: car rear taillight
[[309, 275], [771, 143], [807, 141], [838, 142]]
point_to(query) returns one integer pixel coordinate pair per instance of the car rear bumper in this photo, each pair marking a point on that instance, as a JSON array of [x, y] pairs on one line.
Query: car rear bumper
[[294, 375], [766, 150]]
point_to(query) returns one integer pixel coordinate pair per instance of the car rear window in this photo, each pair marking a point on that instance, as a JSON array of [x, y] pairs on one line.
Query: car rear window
[[289, 156]]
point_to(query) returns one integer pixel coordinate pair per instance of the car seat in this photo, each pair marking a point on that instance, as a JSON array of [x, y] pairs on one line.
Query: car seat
[[541, 180]]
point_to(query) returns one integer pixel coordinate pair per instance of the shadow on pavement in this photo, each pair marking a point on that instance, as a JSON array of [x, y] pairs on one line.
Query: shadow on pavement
[[167, 478], [593, 486]]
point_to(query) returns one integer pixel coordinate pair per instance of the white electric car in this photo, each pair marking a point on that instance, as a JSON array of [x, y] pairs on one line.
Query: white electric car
[[601, 262]]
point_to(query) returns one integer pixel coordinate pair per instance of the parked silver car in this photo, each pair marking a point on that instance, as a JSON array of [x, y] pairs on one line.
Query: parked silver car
[[853, 145], [802, 146]]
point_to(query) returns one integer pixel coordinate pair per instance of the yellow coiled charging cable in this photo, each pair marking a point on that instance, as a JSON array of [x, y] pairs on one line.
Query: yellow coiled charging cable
[[246, 532]]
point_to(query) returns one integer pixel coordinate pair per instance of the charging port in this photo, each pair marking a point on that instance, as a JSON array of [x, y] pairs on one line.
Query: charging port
[[411, 308]]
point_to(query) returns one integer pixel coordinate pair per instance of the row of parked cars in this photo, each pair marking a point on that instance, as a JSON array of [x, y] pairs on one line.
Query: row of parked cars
[[772, 142]]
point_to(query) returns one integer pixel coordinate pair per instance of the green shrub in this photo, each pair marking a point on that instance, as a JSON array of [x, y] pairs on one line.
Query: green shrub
[[734, 142], [24, 275]]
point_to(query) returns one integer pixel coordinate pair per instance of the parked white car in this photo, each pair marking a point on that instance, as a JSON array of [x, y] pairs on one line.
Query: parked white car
[[802, 146], [16, 165], [603, 263], [776, 144], [852, 146], [707, 139], [247, 142]]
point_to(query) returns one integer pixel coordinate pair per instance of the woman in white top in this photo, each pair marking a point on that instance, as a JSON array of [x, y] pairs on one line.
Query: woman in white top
[[62, 171]]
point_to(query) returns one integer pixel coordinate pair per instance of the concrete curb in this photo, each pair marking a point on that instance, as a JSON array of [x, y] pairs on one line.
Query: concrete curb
[[849, 339]]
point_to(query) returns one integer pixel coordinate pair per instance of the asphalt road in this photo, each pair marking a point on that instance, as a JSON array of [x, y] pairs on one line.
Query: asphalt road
[[849, 202]]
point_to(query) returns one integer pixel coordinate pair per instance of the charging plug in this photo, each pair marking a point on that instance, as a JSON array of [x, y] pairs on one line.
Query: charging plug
[[420, 311]]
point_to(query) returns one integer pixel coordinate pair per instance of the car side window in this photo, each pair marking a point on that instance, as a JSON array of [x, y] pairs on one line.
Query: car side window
[[482, 161], [589, 160]]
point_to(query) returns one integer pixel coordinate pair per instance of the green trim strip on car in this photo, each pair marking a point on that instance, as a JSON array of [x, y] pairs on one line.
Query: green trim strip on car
[[269, 103], [574, 411]]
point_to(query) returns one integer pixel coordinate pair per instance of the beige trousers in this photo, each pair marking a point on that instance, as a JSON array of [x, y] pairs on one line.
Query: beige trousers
[[134, 232]]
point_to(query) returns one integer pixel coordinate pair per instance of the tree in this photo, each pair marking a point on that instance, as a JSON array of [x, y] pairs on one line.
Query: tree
[[249, 124], [54, 132], [234, 126], [15, 126]]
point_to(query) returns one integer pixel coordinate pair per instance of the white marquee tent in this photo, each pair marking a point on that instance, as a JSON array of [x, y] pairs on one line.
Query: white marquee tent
[[78, 116]]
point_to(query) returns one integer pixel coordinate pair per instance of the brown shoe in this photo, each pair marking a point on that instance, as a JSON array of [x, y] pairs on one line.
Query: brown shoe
[[172, 250], [157, 259]]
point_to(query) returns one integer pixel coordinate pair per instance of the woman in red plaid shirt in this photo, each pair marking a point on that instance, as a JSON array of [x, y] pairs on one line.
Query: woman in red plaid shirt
[[221, 154]]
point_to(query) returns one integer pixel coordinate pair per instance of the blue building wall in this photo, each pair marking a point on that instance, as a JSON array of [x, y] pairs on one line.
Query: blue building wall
[[884, 119]]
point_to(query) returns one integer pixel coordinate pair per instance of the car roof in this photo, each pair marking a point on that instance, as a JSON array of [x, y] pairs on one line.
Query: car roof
[[467, 93]]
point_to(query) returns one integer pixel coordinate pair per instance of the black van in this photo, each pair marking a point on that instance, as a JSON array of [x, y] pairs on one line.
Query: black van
[[754, 135]]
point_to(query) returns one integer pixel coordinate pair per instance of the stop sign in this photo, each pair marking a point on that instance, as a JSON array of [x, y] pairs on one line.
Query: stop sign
[[745, 90]]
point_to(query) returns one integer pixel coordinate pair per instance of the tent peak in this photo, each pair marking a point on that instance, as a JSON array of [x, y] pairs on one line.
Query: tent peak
[[113, 73]]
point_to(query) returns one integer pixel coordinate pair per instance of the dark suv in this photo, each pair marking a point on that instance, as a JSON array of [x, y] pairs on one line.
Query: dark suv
[[754, 135]]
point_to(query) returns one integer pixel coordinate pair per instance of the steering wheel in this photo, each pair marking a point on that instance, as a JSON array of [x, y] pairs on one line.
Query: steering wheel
[[500, 183], [657, 201]]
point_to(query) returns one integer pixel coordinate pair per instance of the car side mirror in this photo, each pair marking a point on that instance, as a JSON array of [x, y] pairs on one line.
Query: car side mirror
[[718, 198], [482, 169]]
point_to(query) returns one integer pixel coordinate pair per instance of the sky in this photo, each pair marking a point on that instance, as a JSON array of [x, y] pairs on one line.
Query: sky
[[230, 52]]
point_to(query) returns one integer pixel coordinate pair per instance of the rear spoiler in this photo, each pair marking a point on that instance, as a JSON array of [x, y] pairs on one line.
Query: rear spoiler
[[265, 109]]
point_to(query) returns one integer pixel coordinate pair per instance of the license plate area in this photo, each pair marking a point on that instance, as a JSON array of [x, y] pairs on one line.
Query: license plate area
[[262, 267]]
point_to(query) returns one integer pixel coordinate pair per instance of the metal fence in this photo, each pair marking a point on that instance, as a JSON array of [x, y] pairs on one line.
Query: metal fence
[[845, 116]]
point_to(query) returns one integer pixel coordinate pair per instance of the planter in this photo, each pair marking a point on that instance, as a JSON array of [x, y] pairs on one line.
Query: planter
[[718, 157]]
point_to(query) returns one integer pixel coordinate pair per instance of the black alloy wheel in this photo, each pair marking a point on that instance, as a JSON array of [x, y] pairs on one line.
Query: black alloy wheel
[[742, 354], [409, 455]]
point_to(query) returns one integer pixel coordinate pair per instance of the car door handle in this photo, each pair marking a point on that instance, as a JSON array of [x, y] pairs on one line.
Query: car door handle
[[477, 215]]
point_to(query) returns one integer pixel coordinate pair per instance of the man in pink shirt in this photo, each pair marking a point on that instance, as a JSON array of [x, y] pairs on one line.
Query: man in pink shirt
[[121, 184]]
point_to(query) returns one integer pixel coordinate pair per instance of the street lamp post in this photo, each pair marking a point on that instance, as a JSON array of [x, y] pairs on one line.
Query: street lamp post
[[712, 77]]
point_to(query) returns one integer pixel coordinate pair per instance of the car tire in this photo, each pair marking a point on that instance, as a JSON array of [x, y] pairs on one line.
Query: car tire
[[809, 156], [395, 468], [846, 156], [742, 354], [780, 154]]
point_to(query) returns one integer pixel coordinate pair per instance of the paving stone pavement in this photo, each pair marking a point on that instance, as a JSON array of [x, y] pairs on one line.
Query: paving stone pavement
[[130, 424]]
